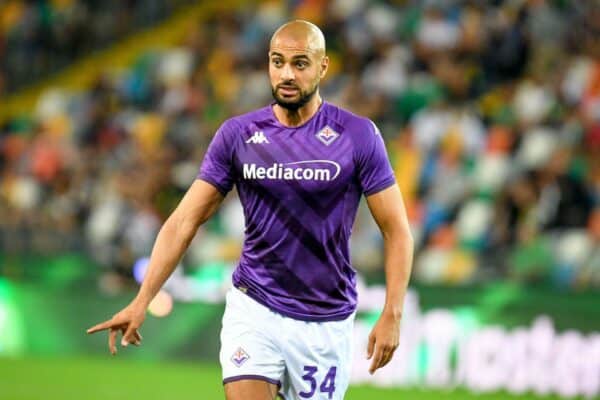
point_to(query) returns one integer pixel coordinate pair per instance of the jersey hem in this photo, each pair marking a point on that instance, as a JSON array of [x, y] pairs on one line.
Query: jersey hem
[[213, 182], [384, 185], [302, 317], [252, 377]]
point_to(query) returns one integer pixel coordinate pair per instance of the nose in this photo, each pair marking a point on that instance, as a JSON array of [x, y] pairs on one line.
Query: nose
[[287, 73]]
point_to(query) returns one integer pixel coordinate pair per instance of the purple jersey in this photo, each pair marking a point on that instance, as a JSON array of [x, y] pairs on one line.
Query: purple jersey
[[300, 188]]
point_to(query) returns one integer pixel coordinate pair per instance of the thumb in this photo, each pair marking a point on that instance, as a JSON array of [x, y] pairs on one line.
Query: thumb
[[370, 346]]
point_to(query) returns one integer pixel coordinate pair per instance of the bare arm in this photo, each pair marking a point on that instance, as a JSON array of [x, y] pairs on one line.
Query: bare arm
[[389, 213], [198, 205]]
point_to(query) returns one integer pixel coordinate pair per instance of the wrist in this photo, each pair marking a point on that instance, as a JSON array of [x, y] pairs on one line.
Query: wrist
[[392, 312], [142, 299]]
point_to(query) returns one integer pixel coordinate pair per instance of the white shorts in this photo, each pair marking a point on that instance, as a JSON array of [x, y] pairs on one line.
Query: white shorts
[[306, 360]]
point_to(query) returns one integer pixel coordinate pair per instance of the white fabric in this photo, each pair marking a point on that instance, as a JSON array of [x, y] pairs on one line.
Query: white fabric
[[308, 360]]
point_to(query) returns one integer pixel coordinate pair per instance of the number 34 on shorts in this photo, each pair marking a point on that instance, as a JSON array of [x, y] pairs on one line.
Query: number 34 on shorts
[[327, 386]]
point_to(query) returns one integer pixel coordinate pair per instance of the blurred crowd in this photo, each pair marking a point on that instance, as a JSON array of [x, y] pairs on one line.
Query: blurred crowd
[[38, 37], [490, 111]]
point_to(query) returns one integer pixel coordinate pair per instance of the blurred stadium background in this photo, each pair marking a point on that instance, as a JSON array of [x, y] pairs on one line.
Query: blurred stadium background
[[491, 114]]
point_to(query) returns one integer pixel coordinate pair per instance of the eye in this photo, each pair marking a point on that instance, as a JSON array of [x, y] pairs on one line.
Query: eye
[[301, 64], [277, 62]]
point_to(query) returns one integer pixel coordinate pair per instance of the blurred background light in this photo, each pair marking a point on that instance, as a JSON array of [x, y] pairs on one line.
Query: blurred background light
[[12, 340], [139, 269], [161, 305]]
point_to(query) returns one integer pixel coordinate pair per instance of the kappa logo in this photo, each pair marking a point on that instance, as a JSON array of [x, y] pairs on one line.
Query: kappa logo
[[239, 357], [258, 137], [327, 135]]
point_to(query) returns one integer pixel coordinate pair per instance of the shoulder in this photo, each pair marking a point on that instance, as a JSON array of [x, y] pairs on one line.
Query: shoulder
[[241, 121], [357, 126], [232, 129]]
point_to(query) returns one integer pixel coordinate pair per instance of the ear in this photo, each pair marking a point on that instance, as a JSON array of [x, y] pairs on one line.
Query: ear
[[324, 66]]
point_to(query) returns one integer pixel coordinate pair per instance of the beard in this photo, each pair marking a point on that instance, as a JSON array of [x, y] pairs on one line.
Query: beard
[[294, 105]]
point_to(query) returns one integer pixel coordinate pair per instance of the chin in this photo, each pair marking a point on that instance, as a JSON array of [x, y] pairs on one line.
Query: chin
[[289, 105]]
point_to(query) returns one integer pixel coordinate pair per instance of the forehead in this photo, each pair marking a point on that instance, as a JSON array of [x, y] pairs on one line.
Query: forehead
[[289, 47]]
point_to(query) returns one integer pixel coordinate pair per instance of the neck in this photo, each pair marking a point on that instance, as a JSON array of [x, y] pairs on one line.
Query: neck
[[299, 116]]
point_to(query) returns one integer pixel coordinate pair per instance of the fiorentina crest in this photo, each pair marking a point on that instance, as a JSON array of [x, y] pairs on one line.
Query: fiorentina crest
[[239, 357], [327, 135]]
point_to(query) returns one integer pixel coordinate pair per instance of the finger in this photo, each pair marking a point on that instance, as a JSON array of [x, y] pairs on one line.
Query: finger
[[376, 360], [137, 338], [383, 355], [101, 326], [370, 346], [129, 336], [112, 341], [389, 356]]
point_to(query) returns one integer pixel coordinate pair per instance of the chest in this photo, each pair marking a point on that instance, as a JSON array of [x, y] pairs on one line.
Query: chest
[[295, 162]]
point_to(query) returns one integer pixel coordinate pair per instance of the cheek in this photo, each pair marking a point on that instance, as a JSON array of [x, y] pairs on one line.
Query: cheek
[[273, 75], [310, 79], [316, 79]]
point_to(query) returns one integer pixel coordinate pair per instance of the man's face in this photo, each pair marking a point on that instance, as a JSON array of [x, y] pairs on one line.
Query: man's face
[[295, 71]]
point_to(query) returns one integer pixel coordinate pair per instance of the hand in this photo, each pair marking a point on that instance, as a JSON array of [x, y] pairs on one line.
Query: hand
[[384, 339], [127, 321]]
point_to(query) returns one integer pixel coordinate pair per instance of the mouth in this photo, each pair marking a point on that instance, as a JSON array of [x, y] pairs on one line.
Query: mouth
[[287, 91]]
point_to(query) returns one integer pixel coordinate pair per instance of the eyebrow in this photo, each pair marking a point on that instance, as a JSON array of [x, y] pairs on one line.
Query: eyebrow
[[296, 57]]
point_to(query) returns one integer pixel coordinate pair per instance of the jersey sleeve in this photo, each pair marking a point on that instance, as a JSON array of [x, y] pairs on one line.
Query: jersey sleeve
[[375, 172], [217, 165]]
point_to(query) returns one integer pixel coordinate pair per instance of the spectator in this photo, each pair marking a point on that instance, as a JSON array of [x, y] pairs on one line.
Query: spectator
[[492, 133]]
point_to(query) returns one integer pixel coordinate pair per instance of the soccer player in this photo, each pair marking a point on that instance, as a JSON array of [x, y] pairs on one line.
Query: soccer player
[[300, 166]]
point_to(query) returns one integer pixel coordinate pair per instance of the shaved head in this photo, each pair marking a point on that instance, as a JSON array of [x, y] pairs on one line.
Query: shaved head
[[299, 34]]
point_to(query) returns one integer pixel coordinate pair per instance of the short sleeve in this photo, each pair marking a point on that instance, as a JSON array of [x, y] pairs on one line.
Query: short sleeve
[[217, 165], [374, 169]]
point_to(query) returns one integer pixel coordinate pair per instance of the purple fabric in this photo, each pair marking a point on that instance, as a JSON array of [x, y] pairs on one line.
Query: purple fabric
[[252, 377], [300, 189]]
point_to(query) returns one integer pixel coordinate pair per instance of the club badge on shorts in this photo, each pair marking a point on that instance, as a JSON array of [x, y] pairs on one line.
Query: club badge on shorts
[[239, 357], [327, 135]]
